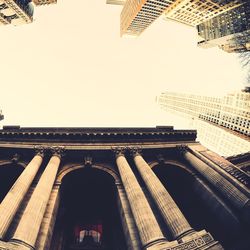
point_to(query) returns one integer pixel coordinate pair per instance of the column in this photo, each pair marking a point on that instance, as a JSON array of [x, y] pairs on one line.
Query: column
[[149, 230], [47, 226], [29, 225], [127, 219], [175, 220], [226, 188], [13, 199]]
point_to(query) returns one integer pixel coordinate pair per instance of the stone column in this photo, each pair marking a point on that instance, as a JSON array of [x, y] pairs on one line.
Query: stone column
[[226, 188], [148, 228], [29, 225], [127, 219], [46, 229], [13, 199], [173, 217]]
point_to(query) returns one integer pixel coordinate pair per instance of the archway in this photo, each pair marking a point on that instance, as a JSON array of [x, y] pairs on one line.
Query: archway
[[9, 172], [181, 183], [88, 214]]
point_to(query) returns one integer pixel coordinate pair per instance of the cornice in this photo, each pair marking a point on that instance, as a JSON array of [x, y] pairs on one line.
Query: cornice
[[166, 134], [95, 146]]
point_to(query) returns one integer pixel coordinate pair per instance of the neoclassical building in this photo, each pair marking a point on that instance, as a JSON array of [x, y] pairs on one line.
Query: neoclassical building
[[118, 189]]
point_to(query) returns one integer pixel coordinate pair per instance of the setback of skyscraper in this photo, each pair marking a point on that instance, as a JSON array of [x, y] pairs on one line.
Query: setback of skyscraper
[[230, 30]]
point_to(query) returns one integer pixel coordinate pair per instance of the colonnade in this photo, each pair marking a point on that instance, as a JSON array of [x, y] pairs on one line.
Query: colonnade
[[28, 227], [149, 230], [150, 233]]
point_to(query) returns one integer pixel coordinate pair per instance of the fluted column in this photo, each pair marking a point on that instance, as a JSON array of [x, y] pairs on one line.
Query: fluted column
[[29, 225], [175, 220], [149, 230], [226, 188], [13, 199]]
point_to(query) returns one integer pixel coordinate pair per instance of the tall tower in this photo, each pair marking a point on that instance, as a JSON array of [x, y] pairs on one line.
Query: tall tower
[[230, 30], [194, 12], [16, 12], [223, 123], [136, 15]]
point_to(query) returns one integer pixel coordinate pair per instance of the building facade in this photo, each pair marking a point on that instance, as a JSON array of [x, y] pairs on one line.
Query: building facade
[[241, 161], [231, 112], [118, 188], [230, 30], [136, 16], [218, 139], [194, 12], [17, 12]]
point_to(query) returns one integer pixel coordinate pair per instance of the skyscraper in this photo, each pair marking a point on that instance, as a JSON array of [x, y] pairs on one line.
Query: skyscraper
[[230, 30], [194, 12], [136, 15], [16, 12], [230, 113]]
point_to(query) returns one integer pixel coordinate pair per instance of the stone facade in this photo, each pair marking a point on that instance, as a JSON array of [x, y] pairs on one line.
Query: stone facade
[[118, 188]]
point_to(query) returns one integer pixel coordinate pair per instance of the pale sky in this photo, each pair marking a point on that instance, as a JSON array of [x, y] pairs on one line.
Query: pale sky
[[70, 67]]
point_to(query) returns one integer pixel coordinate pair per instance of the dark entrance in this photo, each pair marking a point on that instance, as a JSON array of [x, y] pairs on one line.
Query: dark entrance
[[8, 175], [88, 212]]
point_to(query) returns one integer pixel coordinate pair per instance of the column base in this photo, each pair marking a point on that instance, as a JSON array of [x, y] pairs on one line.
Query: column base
[[198, 241], [11, 246], [15, 245]]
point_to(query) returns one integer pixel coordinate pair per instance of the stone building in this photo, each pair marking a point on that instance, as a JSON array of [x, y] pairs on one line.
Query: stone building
[[118, 188]]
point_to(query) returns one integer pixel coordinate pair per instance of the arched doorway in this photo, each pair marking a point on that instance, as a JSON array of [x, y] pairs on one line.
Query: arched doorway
[[88, 216], [8, 174], [182, 186]]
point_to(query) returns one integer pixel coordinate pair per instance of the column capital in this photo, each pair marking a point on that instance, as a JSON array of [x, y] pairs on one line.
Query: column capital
[[57, 151], [182, 148], [119, 151], [40, 150], [134, 151]]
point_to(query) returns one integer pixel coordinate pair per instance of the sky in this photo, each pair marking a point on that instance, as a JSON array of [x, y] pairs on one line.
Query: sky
[[70, 67]]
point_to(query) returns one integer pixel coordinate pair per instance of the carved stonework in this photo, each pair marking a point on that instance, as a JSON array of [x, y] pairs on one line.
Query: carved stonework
[[15, 158], [197, 243], [182, 148], [134, 151], [57, 151], [119, 151], [160, 159], [88, 161], [40, 150]]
